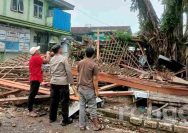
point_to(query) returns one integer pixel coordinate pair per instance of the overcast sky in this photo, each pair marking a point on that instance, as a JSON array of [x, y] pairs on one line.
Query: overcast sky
[[107, 12]]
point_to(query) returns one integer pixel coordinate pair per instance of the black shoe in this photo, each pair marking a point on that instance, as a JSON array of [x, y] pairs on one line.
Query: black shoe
[[64, 123], [51, 121]]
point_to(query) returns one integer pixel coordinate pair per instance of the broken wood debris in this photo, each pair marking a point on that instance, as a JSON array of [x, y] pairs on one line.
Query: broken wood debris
[[21, 100], [115, 93], [119, 66], [147, 85], [4, 94], [154, 111], [107, 87], [116, 54], [26, 87], [14, 76]]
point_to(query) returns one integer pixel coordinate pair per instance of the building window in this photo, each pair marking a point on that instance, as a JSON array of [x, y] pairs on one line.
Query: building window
[[17, 6], [21, 6], [36, 39], [38, 8]]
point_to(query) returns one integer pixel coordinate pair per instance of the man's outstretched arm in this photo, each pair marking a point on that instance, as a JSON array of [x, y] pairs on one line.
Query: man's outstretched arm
[[47, 59]]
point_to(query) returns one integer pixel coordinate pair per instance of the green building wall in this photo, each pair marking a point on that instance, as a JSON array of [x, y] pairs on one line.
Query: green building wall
[[44, 24], [27, 15]]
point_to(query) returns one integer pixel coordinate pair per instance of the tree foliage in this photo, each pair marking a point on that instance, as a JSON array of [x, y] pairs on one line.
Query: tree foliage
[[172, 15], [165, 36], [123, 36]]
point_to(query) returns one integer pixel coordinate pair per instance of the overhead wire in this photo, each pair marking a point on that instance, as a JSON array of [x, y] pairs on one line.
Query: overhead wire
[[91, 17]]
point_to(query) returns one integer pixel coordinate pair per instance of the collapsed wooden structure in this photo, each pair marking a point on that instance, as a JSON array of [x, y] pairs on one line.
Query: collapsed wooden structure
[[125, 64], [119, 65], [146, 85], [121, 58]]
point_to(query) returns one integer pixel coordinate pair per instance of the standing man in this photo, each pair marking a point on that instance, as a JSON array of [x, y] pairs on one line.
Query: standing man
[[88, 89], [60, 80], [35, 75]]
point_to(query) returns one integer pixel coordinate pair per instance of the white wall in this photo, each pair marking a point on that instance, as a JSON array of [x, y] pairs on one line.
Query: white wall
[[32, 43]]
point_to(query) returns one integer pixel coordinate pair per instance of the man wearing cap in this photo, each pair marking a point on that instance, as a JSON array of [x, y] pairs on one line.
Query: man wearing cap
[[35, 75], [60, 80]]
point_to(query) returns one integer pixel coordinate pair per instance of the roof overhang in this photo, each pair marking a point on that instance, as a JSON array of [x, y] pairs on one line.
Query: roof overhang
[[61, 4]]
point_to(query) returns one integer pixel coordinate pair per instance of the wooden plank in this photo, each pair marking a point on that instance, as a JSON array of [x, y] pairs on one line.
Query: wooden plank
[[149, 108], [137, 70], [107, 87], [17, 67], [21, 100], [168, 98], [142, 84], [4, 94], [115, 93], [26, 87], [6, 88], [179, 81], [154, 111], [20, 79], [75, 91], [21, 86]]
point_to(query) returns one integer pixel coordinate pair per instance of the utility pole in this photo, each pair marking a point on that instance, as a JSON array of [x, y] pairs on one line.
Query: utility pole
[[98, 44], [187, 62]]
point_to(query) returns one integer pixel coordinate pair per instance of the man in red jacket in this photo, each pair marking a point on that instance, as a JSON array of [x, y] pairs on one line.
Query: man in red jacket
[[36, 76]]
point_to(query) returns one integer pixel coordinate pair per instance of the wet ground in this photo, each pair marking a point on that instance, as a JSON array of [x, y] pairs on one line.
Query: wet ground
[[15, 120]]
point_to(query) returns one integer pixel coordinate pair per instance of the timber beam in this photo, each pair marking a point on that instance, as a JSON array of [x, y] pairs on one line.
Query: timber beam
[[142, 84]]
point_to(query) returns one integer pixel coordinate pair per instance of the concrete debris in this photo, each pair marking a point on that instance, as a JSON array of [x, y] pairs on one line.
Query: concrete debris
[[180, 129], [136, 121], [165, 127], [13, 125], [150, 124]]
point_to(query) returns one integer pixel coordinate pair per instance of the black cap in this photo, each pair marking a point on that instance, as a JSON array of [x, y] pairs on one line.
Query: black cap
[[55, 48]]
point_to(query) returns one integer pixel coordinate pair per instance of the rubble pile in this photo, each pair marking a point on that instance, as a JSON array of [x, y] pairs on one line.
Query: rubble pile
[[119, 66]]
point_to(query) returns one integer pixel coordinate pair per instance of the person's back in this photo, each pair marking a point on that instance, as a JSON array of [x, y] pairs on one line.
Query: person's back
[[35, 75], [35, 68], [88, 89], [60, 80], [87, 68], [58, 70]]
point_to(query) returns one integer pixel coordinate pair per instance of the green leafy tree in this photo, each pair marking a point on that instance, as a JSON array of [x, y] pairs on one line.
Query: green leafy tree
[[123, 36], [164, 35]]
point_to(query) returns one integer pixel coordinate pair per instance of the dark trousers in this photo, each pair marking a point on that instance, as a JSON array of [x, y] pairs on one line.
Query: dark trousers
[[59, 93], [34, 88]]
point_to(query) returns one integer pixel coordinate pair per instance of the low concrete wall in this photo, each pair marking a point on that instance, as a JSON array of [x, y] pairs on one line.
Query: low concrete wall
[[148, 123]]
